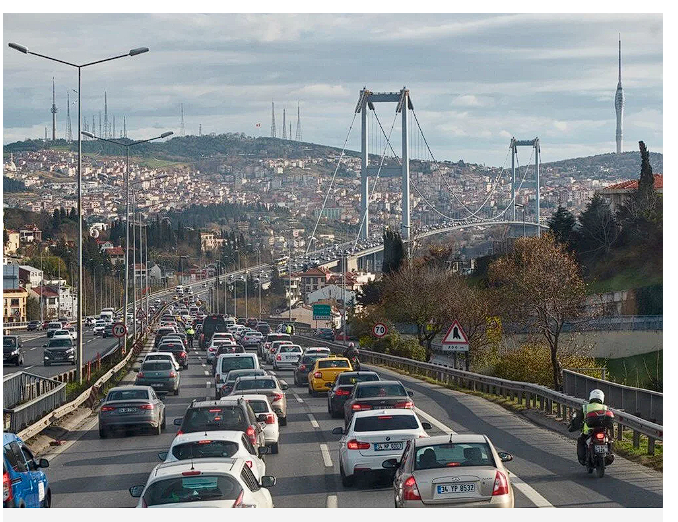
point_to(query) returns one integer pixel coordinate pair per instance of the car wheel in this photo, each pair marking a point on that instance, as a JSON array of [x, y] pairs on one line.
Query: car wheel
[[274, 448], [164, 421], [47, 503], [347, 482], [283, 421], [158, 430], [103, 433]]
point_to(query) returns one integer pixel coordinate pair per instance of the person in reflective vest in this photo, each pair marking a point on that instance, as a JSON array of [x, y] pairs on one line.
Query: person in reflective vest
[[596, 398]]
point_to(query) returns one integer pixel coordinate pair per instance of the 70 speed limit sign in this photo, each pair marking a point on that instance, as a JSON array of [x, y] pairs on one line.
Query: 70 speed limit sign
[[379, 330]]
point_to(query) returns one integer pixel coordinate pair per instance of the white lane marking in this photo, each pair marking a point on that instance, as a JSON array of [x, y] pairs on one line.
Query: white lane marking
[[206, 372], [532, 494], [33, 348], [326, 455], [299, 399], [204, 364], [314, 422], [332, 501], [28, 367]]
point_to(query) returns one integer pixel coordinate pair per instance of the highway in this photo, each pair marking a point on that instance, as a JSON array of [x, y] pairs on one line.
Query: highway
[[97, 473]]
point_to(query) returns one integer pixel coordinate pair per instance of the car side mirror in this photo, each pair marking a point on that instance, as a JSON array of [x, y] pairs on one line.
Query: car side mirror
[[283, 385], [261, 417], [505, 457], [267, 481], [43, 463], [44, 346], [264, 450], [410, 393], [390, 464], [338, 431], [177, 422], [162, 456], [136, 491]]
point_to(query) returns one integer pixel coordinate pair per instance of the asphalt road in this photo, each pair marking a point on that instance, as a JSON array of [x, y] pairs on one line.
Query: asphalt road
[[94, 472]]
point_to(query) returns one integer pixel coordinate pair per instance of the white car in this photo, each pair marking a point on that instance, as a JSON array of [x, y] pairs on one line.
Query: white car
[[287, 356], [62, 334], [73, 331], [274, 349], [317, 350], [219, 482], [262, 406], [251, 339], [214, 347], [99, 327], [163, 356], [374, 436], [216, 444]]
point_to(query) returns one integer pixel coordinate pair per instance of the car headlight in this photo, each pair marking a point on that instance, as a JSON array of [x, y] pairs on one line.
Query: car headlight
[[70, 350]]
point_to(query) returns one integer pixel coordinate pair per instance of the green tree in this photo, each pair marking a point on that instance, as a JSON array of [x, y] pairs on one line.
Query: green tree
[[32, 309], [562, 225], [370, 293], [599, 230]]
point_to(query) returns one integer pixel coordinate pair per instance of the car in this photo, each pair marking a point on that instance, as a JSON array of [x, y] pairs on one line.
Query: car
[[304, 365], [107, 331], [131, 407], [317, 350], [374, 436], [62, 334], [232, 361], [225, 348], [34, 325], [262, 407], [178, 349], [52, 327], [265, 385], [287, 356], [227, 414], [163, 356], [325, 333], [216, 444], [162, 376], [251, 322], [12, 350], [274, 348], [24, 484], [162, 331], [265, 346], [374, 395], [227, 387], [73, 331], [342, 388], [325, 372], [59, 351], [264, 328], [252, 338], [458, 470], [219, 483], [98, 328]]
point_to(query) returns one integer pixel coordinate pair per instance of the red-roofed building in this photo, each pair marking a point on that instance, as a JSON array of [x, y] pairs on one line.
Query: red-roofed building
[[313, 279], [617, 194], [49, 298], [117, 255]]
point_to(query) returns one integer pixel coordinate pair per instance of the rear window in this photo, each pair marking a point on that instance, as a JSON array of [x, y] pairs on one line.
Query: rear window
[[277, 337], [349, 378], [335, 363], [236, 363], [289, 349], [453, 455], [386, 423], [126, 395], [156, 366], [259, 406], [383, 390], [192, 489], [236, 374], [256, 384], [214, 418], [205, 449]]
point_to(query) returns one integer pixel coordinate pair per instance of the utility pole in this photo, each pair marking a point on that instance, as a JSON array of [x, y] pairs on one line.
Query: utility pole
[[344, 261]]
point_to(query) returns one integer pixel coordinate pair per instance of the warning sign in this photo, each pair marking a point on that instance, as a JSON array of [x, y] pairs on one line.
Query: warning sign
[[455, 339]]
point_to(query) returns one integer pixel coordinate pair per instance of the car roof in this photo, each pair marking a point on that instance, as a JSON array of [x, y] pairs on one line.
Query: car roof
[[209, 465], [231, 435], [458, 438], [169, 354], [251, 397], [385, 411], [9, 437], [129, 387], [252, 355], [362, 372]]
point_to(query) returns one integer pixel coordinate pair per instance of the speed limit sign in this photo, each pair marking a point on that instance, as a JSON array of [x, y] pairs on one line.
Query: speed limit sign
[[119, 329], [379, 330]]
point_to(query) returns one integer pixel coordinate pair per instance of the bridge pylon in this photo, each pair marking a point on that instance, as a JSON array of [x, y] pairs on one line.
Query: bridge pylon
[[537, 158]]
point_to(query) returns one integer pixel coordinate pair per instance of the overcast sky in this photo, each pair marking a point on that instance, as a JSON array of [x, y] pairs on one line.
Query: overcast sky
[[475, 80]]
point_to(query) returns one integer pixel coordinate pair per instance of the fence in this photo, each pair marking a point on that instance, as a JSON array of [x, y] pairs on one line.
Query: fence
[[646, 404], [27, 397]]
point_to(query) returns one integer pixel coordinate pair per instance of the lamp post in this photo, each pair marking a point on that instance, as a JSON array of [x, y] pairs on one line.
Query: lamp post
[[522, 207], [132, 52]]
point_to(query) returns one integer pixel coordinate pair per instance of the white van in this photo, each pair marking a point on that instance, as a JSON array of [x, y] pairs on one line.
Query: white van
[[233, 361], [106, 315]]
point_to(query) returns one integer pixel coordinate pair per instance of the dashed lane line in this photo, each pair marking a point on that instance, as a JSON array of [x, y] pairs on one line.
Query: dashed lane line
[[299, 399], [326, 455], [206, 372], [314, 422], [332, 501]]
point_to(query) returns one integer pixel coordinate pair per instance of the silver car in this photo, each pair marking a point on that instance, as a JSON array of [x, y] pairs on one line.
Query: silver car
[[162, 376], [451, 471], [265, 385], [131, 407]]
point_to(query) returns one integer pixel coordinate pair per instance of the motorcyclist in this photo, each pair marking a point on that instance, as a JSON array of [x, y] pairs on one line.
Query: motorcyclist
[[190, 333], [351, 351], [596, 399]]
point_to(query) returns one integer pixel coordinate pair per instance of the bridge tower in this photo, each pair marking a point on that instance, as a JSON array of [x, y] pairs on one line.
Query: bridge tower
[[366, 101], [537, 158]]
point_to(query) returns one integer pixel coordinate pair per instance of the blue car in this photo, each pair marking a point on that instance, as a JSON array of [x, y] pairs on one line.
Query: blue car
[[23, 483]]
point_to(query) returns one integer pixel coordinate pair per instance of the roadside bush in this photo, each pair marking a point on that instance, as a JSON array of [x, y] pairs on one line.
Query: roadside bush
[[366, 342]]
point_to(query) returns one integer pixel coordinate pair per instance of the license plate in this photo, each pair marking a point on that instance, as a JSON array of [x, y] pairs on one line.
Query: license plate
[[455, 488], [127, 410], [600, 449], [388, 446], [157, 384]]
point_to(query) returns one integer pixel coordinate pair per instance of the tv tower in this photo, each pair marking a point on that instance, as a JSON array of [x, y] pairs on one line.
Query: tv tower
[[69, 131], [290, 134], [100, 124], [298, 136], [124, 127], [200, 129], [106, 133], [54, 111], [284, 136], [183, 129], [272, 119], [94, 126], [619, 106], [113, 134]]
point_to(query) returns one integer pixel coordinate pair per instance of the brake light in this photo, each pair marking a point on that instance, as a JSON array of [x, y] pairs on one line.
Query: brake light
[[204, 442], [238, 501], [318, 375], [191, 473], [146, 406], [302, 367], [277, 397], [182, 354], [107, 408], [404, 404], [173, 374], [180, 432], [251, 434], [140, 374], [270, 418], [354, 444], [410, 490], [360, 407], [249, 463], [342, 392], [213, 410], [500, 484], [600, 435], [7, 494]]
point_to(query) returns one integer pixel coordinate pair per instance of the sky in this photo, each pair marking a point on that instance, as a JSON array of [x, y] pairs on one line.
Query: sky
[[475, 80]]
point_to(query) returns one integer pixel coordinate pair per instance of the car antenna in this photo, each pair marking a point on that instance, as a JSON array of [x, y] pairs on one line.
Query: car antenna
[[192, 467]]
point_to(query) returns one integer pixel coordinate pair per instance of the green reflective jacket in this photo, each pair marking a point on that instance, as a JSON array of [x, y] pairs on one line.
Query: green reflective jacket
[[588, 408]]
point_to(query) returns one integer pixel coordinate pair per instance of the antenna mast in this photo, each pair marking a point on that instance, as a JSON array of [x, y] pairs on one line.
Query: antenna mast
[[298, 136], [272, 119], [54, 111], [284, 136], [107, 134], [183, 129]]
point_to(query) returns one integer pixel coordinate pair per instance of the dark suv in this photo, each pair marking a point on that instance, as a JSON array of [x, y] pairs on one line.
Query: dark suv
[[59, 351], [12, 350], [224, 415], [177, 348]]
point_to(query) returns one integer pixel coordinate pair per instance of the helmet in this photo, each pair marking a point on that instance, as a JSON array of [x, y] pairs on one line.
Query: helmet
[[597, 395], [351, 345]]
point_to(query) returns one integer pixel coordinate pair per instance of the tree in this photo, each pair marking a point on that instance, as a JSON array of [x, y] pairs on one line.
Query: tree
[[32, 309], [599, 230], [277, 284], [562, 225], [394, 252], [370, 293], [542, 287]]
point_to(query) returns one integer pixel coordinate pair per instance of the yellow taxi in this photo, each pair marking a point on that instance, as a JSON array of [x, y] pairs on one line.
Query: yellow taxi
[[325, 372]]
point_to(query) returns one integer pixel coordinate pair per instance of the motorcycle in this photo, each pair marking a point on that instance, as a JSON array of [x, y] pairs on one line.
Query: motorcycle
[[355, 363], [599, 443]]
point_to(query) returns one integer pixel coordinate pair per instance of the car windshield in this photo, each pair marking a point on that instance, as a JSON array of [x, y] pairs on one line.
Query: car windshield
[[214, 418], [126, 395], [61, 332], [259, 406], [9, 342], [205, 449], [386, 423], [192, 489], [156, 366], [453, 455], [333, 363], [352, 378], [236, 363], [256, 384], [380, 390], [60, 343]]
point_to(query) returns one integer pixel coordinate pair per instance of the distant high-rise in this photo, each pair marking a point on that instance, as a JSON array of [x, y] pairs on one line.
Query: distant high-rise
[[200, 129], [619, 106], [54, 111], [272, 119], [182, 130], [298, 135], [113, 134], [284, 136]]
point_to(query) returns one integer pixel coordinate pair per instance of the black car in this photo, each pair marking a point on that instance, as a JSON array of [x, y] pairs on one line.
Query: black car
[[177, 349], [59, 351], [33, 325], [305, 365], [161, 333], [264, 328], [108, 331], [12, 350], [342, 388], [373, 395]]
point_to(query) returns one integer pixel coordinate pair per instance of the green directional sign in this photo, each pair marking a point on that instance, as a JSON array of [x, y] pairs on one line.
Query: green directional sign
[[322, 312]]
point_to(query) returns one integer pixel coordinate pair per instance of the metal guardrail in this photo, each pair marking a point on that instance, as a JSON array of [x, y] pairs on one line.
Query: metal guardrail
[[606, 324], [529, 394], [646, 404], [27, 397]]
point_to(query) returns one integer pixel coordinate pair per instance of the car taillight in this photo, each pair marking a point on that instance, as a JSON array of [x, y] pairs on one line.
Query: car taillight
[[270, 418], [6, 487], [360, 407], [318, 375], [342, 392], [180, 432], [500, 484], [278, 358], [600, 435], [302, 367], [404, 404], [277, 397], [107, 408], [354, 444], [249, 463], [147, 406], [182, 354], [251, 434], [191, 473], [140, 374], [410, 490]]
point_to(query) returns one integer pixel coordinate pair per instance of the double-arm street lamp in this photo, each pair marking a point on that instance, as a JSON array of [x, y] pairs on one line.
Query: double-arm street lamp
[[132, 52]]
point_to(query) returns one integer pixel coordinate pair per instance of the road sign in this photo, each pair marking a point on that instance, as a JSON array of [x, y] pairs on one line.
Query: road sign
[[455, 339], [322, 312], [379, 330], [119, 329]]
